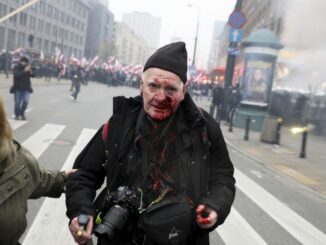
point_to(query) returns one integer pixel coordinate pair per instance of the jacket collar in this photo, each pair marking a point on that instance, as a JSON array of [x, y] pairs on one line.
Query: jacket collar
[[192, 114]]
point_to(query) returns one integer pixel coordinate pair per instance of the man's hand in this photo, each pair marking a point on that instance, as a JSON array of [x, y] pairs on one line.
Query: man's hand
[[70, 171], [206, 216], [28, 68], [81, 237]]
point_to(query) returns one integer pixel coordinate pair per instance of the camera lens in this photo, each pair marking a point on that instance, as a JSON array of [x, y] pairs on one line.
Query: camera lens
[[113, 221]]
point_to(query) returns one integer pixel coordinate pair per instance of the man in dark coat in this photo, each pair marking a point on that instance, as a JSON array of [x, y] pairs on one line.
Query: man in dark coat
[[217, 101], [22, 87], [4, 62], [161, 144]]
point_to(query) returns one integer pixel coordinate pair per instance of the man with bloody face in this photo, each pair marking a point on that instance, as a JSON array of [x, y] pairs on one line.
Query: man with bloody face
[[161, 145]]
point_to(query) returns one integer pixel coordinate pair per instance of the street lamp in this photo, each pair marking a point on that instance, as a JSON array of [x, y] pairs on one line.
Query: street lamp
[[196, 37]]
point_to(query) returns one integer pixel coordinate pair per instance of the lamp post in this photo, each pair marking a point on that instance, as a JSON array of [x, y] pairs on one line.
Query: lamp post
[[196, 37]]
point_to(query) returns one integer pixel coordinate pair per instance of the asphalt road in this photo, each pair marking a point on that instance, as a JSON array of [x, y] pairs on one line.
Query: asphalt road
[[269, 209]]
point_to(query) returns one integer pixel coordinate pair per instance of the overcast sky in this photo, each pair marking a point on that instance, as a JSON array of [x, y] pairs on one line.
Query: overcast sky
[[180, 20]]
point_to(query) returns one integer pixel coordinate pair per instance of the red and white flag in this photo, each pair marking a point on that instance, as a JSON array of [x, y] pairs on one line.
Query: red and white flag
[[94, 60], [138, 69], [57, 55], [84, 62], [110, 60]]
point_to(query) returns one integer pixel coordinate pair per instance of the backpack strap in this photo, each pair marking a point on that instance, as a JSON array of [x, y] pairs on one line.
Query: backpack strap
[[110, 141]]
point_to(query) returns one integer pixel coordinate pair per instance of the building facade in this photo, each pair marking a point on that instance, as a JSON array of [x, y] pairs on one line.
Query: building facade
[[213, 54], [130, 48], [45, 26], [299, 26], [259, 14], [100, 28], [144, 25]]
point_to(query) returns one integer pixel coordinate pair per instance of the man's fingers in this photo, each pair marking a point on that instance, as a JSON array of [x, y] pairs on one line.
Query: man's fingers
[[79, 236], [89, 227], [200, 208]]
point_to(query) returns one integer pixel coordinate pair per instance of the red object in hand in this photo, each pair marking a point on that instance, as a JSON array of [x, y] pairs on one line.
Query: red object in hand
[[202, 220], [202, 216]]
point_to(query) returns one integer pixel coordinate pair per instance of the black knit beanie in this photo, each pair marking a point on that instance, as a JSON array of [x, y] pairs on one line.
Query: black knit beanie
[[172, 57]]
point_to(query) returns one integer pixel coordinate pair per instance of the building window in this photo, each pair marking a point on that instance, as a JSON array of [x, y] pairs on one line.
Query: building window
[[13, 19], [71, 37], [23, 19], [62, 17], [40, 26], [61, 33], [32, 22], [21, 39], [48, 28], [77, 24], [55, 31], [56, 14], [84, 13], [73, 22], [3, 9], [50, 11], [39, 43], [11, 41], [46, 45], [66, 35], [2, 37], [53, 46], [42, 7], [67, 19]]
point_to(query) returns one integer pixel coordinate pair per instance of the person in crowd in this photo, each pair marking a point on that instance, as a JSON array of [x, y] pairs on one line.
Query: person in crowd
[[233, 100], [22, 87], [76, 80], [169, 175], [218, 100], [196, 89], [4, 62], [21, 179]]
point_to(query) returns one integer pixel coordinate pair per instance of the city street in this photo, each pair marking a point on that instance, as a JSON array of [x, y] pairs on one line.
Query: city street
[[270, 207]]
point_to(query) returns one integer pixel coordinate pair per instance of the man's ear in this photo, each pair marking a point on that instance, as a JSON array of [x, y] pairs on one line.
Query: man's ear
[[185, 87], [141, 86]]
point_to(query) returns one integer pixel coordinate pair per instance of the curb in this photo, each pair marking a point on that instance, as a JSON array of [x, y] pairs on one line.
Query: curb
[[307, 188]]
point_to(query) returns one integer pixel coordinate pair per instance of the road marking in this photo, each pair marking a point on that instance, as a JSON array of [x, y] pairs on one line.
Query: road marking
[[42, 139], [16, 123], [54, 101], [236, 230], [296, 175], [292, 222], [257, 173], [51, 223], [29, 109]]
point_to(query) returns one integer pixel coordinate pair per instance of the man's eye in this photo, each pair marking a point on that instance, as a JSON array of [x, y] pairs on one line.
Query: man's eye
[[153, 85], [171, 89]]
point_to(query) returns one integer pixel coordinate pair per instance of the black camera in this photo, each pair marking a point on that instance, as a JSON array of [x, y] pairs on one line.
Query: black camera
[[118, 207]]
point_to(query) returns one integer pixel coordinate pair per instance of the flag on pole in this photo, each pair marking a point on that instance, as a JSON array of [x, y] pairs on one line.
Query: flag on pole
[[94, 60], [42, 55]]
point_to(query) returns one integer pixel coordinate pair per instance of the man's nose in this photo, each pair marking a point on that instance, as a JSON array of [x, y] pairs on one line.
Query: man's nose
[[161, 94]]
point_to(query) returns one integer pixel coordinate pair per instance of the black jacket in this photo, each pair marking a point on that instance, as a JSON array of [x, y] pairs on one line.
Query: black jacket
[[22, 79], [203, 151]]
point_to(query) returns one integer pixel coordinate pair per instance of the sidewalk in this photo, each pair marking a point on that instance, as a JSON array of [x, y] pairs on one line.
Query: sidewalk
[[283, 158]]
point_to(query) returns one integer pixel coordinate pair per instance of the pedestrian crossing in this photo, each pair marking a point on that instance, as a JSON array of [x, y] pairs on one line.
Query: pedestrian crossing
[[50, 225]]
